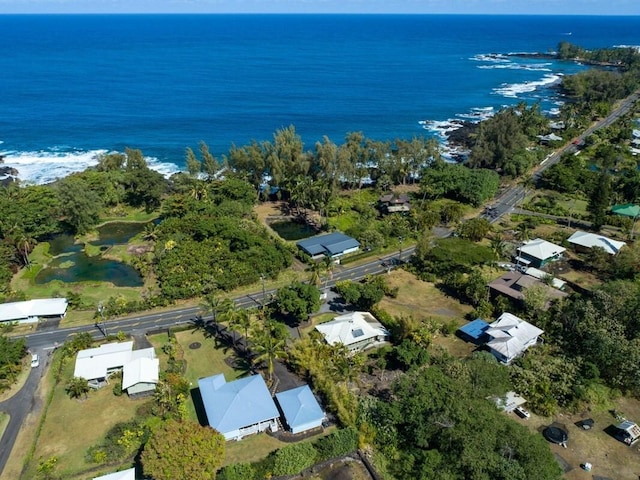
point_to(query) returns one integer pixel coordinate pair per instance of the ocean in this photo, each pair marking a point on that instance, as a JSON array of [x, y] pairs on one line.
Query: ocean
[[74, 86]]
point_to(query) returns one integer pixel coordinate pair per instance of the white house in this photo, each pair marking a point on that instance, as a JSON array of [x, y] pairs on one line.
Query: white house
[[586, 241], [129, 474], [356, 330], [140, 368], [239, 408], [510, 337], [31, 311]]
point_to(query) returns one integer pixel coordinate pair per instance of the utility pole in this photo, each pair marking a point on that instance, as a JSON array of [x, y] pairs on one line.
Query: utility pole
[[101, 312], [263, 278]]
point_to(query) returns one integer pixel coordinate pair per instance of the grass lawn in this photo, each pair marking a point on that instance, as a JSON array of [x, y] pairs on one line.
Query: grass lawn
[[256, 447], [72, 426], [421, 300]]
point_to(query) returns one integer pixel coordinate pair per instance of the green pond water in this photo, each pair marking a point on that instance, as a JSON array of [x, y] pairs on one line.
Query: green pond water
[[72, 265], [290, 230]]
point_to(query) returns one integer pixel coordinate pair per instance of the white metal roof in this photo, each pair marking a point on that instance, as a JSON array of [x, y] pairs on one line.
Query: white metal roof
[[94, 363], [591, 240], [43, 307], [539, 274], [351, 328], [510, 335], [140, 370], [541, 249], [129, 474]]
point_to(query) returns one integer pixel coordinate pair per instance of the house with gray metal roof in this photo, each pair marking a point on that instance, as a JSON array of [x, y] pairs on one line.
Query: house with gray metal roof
[[334, 245], [31, 311]]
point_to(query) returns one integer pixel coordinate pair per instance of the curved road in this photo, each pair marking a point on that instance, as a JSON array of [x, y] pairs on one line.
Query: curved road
[[45, 340]]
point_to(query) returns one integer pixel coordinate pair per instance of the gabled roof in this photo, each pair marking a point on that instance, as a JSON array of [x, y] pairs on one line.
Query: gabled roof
[[591, 240], [351, 328], [94, 363], [234, 405], [129, 474], [140, 370], [541, 249], [331, 243], [299, 406], [43, 307], [510, 335], [540, 275]]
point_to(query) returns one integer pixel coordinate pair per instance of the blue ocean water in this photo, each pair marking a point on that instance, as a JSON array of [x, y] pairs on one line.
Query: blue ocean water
[[75, 85]]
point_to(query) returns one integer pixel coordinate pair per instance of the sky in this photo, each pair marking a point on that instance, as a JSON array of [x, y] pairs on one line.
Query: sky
[[540, 7]]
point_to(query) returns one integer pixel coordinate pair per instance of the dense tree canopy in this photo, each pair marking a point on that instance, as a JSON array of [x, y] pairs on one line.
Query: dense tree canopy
[[183, 449]]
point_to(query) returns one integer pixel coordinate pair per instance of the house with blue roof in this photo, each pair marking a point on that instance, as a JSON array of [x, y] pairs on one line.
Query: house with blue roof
[[300, 409], [333, 245], [239, 408]]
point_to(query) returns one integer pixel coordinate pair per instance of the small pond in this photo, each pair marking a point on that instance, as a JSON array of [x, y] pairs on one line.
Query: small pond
[[292, 230], [70, 264]]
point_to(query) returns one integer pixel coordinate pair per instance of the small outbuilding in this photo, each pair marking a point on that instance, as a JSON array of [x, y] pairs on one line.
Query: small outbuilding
[[628, 432], [556, 434], [300, 409], [391, 203]]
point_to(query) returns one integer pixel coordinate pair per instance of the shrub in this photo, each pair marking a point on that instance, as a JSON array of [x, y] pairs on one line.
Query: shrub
[[338, 443], [238, 471], [294, 458]]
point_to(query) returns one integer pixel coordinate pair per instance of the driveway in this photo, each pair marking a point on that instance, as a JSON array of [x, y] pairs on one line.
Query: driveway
[[20, 405]]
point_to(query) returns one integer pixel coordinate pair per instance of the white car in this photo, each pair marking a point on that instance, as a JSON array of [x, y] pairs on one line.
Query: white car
[[522, 412], [35, 360]]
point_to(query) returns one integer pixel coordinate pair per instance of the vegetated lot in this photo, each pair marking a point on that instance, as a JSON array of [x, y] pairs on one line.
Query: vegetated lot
[[72, 426], [610, 458], [344, 470], [424, 301]]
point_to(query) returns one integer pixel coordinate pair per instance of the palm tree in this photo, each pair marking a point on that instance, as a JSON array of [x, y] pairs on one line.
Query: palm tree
[[499, 247], [242, 319], [77, 387], [316, 269], [268, 348]]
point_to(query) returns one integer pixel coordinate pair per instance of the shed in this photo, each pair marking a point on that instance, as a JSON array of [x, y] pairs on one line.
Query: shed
[[300, 409], [474, 331], [629, 432]]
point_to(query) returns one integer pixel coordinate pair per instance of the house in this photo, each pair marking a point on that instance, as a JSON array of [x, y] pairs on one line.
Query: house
[[356, 330], [514, 284], [239, 408], [129, 474], [333, 245], [628, 432], [510, 336], [474, 331], [391, 203], [537, 253], [300, 409], [31, 311], [551, 137], [584, 241], [140, 368]]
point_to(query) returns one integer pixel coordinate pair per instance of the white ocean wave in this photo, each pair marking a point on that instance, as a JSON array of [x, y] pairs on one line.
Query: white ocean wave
[[490, 57], [515, 89], [48, 166], [635, 47], [532, 67]]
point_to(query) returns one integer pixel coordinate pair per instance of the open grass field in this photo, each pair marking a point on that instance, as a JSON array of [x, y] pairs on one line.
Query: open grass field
[[609, 457], [71, 426], [422, 300]]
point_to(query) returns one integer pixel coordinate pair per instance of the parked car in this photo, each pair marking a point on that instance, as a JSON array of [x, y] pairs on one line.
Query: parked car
[[35, 360], [522, 412]]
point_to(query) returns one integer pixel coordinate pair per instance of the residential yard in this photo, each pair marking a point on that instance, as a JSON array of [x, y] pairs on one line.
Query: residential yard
[[610, 458]]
